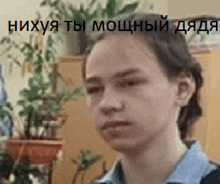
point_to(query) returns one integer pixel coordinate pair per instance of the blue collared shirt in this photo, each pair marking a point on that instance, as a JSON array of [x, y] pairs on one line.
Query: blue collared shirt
[[191, 168]]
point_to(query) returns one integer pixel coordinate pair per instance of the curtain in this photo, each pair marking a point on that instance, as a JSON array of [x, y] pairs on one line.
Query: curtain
[[5, 123]]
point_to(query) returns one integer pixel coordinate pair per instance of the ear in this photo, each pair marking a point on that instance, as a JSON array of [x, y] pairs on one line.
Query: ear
[[186, 87]]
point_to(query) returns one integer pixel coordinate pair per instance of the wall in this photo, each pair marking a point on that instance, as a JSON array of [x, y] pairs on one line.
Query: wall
[[206, 130], [186, 8]]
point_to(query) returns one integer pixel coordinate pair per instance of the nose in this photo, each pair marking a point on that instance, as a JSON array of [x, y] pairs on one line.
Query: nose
[[111, 102]]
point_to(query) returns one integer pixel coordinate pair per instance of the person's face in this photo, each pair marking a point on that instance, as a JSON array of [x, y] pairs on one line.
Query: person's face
[[129, 90]]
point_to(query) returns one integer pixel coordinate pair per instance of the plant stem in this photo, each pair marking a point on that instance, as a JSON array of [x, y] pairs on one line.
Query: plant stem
[[78, 171], [27, 133], [83, 177]]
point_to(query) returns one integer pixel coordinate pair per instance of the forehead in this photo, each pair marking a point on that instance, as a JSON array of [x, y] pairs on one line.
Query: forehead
[[118, 53]]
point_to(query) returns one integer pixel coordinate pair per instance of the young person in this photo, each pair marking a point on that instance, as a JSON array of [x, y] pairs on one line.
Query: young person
[[144, 96]]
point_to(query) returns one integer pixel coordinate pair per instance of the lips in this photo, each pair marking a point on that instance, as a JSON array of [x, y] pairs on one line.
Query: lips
[[113, 124]]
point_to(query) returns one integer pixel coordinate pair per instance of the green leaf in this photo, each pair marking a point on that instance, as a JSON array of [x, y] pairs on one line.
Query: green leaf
[[55, 107], [92, 3], [63, 7], [58, 17], [21, 102], [17, 62], [38, 69], [28, 46], [47, 55], [51, 15], [22, 113], [35, 89], [60, 10], [43, 3], [29, 109], [31, 82], [78, 91], [81, 9], [40, 59], [24, 92], [29, 56], [3, 40], [8, 40], [11, 31], [8, 105], [78, 16], [55, 3], [110, 8], [103, 12], [128, 8], [32, 95], [50, 41], [4, 113], [22, 49]]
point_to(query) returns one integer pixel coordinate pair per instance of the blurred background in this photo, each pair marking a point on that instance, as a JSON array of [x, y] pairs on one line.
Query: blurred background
[[78, 132]]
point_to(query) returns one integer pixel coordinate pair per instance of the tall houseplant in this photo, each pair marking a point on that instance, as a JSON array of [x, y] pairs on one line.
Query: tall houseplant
[[83, 163], [40, 104]]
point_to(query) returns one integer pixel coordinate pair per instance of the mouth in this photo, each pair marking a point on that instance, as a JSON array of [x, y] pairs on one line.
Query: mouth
[[114, 124]]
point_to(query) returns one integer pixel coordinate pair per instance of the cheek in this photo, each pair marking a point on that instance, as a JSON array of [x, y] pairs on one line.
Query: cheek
[[93, 107], [152, 107]]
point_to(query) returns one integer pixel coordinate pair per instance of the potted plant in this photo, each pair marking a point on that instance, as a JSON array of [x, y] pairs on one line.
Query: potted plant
[[86, 12], [6, 165], [22, 173], [40, 105], [83, 163]]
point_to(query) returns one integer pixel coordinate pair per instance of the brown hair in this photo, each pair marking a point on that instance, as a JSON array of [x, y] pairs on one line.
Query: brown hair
[[173, 56]]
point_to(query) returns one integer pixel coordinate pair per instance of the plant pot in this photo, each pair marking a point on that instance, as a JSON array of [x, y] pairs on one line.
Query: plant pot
[[82, 41], [75, 42], [34, 151]]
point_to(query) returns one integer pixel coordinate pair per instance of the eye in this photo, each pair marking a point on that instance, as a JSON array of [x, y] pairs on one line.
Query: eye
[[93, 90], [129, 83]]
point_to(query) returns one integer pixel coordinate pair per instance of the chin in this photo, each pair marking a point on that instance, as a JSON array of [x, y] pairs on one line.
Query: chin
[[122, 145]]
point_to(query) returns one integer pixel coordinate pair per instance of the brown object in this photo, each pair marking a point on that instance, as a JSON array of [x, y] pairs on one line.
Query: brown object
[[207, 129], [27, 67], [36, 151], [71, 58]]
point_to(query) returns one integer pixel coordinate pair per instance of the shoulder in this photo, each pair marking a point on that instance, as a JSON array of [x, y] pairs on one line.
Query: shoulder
[[98, 177], [212, 177], [108, 175]]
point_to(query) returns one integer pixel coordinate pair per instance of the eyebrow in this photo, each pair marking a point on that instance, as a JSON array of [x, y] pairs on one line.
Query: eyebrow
[[122, 74]]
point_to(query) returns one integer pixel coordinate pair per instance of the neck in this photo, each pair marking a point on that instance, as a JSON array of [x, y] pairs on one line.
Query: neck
[[153, 162]]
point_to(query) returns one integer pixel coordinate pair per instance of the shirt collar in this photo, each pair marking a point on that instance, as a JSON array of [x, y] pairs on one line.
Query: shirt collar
[[189, 170], [191, 167]]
